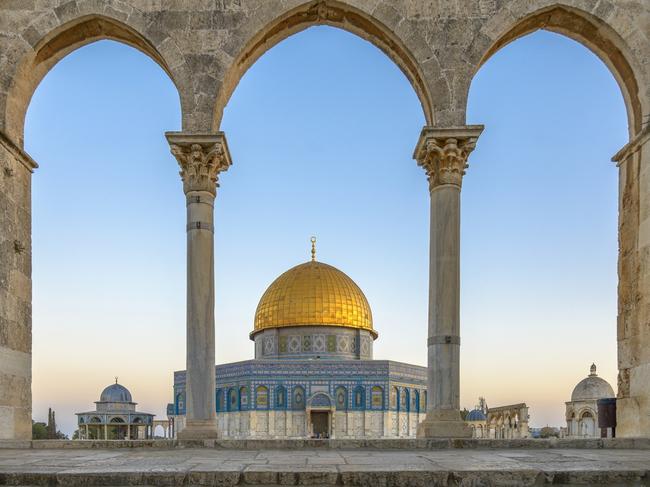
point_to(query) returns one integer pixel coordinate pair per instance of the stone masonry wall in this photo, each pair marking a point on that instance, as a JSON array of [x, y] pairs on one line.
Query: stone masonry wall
[[15, 294]]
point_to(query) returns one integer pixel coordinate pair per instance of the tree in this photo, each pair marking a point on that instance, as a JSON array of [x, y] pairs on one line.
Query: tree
[[51, 425], [464, 413], [42, 431], [548, 432], [39, 431]]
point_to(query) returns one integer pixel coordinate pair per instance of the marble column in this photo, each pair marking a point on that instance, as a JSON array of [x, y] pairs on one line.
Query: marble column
[[201, 158], [443, 153]]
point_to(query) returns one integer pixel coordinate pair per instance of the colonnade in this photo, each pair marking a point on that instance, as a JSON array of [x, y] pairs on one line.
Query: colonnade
[[100, 431], [443, 154]]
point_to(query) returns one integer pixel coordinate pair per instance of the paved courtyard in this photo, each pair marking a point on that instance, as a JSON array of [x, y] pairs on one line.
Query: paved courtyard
[[360, 467]]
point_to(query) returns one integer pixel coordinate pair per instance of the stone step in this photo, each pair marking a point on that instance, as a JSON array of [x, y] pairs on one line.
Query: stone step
[[352, 476], [309, 466]]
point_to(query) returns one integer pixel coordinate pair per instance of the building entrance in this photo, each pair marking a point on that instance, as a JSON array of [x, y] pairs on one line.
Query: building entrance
[[320, 424]]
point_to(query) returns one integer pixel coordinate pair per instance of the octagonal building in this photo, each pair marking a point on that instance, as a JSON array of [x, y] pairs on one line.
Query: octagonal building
[[313, 374]]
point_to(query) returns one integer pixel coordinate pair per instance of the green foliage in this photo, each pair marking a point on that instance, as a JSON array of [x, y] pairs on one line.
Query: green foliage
[[463, 414], [548, 432], [42, 431], [39, 431]]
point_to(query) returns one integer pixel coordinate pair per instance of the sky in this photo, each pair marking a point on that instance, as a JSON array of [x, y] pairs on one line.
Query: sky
[[321, 130]]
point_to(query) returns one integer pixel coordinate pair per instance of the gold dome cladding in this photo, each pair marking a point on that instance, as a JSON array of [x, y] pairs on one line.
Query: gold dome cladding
[[313, 294]]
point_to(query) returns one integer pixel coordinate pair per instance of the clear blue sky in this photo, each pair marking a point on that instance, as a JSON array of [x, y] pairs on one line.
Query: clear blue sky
[[321, 131]]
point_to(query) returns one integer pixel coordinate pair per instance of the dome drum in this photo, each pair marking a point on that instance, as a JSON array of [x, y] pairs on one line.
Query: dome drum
[[314, 342]]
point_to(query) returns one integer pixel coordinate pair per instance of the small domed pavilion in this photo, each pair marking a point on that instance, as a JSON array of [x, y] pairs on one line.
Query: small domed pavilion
[[115, 417], [582, 409]]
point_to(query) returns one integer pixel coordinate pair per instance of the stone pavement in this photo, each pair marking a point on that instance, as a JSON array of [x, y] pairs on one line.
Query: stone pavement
[[357, 467]]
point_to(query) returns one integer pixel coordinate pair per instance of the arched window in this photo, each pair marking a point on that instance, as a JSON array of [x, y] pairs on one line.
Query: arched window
[[281, 398], [243, 398], [180, 403], [377, 397], [262, 397], [416, 401], [117, 420], [394, 395], [359, 397], [233, 403], [341, 398], [403, 400], [298, 398], [219, 400]]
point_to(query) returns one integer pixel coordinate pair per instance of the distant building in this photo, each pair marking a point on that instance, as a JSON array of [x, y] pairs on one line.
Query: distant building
[[582, 409], [313, 374], [115, 418], [502, 422]]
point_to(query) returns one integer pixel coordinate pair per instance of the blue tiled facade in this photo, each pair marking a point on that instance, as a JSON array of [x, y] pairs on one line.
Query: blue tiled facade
[[377, 385]]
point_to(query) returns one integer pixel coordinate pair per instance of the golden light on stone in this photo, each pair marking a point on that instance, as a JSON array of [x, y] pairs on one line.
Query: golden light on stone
[[310, 294]]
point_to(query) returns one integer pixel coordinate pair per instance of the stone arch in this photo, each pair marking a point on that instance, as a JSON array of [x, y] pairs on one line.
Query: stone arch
[[53, 46], [320, 400], [589, 30], [334, 14]]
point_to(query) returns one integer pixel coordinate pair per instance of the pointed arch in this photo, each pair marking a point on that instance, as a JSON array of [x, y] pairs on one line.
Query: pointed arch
[[60, 42], [590, 31], [335, 14]]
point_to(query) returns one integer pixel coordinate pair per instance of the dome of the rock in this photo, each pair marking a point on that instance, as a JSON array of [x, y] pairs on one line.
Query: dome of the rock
[[313, 294]]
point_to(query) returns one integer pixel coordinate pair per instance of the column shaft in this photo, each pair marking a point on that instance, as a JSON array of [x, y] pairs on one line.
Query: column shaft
[[200, 405], [443, 375]]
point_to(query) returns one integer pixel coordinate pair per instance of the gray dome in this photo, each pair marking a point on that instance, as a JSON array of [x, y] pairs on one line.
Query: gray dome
[[116, 393], [591, 388]]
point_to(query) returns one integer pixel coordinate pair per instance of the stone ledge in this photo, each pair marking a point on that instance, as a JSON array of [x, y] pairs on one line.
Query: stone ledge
[[327, 477], [333, 444], [324, 467]]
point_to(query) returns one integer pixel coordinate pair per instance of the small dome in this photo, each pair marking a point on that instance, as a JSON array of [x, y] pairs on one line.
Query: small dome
[[475, 415], [592, 387], [311, 294], [115, 393]]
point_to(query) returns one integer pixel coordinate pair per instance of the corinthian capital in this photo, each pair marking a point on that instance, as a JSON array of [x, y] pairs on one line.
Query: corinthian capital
[[201, 158], [443, 153]]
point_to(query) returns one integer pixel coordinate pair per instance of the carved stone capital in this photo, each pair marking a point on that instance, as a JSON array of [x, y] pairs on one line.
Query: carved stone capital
[[201, 158], [443, 153]]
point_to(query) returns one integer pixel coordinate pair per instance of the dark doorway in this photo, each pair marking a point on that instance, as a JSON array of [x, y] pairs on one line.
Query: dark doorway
[[320, 424]]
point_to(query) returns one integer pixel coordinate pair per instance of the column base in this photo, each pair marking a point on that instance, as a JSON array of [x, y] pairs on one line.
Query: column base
[[443, 424], [199, 430]]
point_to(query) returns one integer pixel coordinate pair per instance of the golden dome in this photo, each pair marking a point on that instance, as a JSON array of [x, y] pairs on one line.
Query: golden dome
[[313, 294]]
